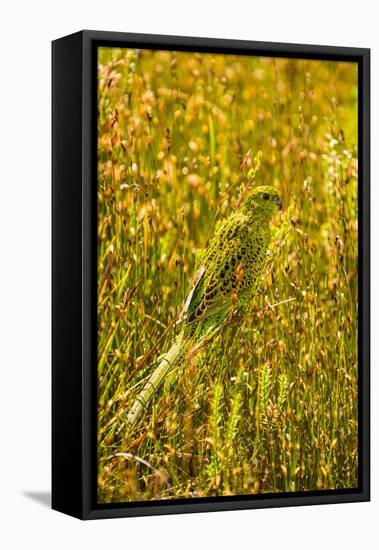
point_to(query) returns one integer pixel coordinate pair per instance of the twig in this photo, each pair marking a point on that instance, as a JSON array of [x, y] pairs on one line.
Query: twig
[[141, 461]]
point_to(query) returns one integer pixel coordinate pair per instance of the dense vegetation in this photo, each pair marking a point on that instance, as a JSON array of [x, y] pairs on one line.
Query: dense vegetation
[[270, 404]]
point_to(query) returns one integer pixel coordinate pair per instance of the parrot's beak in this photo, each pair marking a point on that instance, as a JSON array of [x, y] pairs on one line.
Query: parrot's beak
[[278, 201]]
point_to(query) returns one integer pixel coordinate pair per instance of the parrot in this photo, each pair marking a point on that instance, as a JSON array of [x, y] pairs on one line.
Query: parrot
[[228, 273]]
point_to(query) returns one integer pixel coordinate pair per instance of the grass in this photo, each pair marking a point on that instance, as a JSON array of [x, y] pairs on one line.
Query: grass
[[269, 405]]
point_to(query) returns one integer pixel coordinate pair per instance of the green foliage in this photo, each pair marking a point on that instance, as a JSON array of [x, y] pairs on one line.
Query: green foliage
[[271, 403]]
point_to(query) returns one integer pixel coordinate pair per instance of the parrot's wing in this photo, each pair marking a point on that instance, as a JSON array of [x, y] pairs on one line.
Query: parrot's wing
[[207, 297], [206, 309], [198, 277]]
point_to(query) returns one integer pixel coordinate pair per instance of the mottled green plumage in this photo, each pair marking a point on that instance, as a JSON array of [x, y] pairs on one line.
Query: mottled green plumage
[[229, 270]]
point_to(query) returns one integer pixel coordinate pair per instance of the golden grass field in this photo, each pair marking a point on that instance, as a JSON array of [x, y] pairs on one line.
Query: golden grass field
[[270, 405]]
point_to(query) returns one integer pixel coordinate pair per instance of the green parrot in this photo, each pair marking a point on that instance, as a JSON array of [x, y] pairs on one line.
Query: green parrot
[[229, 271]]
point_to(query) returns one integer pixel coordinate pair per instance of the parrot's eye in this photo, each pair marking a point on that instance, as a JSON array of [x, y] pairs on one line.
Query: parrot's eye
[[266, 196]]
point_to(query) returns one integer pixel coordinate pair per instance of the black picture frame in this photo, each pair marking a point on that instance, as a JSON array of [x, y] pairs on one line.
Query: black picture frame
[[74, 137]]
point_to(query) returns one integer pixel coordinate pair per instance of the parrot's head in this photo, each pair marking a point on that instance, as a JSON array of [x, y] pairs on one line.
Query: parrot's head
[[263, 201]]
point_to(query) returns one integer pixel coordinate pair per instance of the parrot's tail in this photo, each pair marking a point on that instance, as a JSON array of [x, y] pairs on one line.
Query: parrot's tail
[[166, 364]]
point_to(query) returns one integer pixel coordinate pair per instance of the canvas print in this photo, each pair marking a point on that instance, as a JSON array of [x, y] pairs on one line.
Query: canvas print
[[227, 275]]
